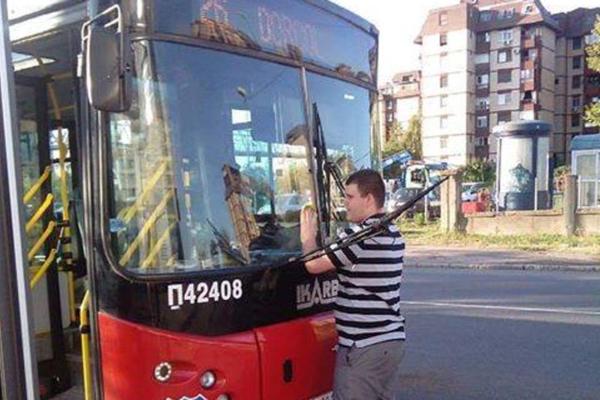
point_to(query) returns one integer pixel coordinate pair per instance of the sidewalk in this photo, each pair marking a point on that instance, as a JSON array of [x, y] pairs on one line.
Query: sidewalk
[[482, 258]]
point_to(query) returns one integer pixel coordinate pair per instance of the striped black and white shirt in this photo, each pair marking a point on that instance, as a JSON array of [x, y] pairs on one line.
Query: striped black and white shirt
[[367, 308]]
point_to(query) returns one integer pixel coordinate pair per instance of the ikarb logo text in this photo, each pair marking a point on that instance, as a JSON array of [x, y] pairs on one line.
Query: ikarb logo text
[[311, 294]]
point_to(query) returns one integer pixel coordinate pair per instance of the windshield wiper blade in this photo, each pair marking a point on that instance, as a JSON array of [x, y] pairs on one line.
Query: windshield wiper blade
[[368, 232], [323, 182], [326, 169]]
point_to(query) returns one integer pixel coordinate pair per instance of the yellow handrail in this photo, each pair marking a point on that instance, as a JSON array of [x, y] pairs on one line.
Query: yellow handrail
[[84, 328], [40, 211], [158, 245], [36, 186], [149, 224], [127, 213], [41, 240], [66, 247], [38, 275]]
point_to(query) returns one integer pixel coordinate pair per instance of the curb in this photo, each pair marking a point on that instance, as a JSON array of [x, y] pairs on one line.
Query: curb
[[503, 267]]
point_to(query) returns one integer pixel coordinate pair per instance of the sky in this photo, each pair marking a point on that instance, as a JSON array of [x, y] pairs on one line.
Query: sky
[[399, 22]]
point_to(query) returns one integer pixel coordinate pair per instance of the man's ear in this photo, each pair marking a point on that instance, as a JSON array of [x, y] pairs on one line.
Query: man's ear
[[371, 199]]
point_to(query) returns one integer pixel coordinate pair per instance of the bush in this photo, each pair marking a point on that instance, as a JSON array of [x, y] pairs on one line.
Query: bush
[[420, 219]]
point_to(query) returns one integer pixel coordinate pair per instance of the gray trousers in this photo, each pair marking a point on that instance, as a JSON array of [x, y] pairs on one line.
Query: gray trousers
[[368, 373]]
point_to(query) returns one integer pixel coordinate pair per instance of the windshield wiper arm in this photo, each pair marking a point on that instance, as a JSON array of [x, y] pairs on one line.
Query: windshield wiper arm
[[224, 245], [368, 232]]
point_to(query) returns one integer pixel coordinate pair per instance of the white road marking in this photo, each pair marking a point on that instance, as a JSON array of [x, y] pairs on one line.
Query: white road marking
[[503, 308]]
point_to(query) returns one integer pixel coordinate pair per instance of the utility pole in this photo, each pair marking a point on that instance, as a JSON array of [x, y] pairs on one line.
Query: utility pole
[[18, 369]]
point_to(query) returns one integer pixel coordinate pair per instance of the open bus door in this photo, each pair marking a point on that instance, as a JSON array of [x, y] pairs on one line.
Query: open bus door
[[42, 60], [17, 366]]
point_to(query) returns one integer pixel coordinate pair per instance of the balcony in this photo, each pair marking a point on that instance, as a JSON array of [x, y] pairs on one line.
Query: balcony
[[482, 108], [528, 85], [530, 105], [482, 47]]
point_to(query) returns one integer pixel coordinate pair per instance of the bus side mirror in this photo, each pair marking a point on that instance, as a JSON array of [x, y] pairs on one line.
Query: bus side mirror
[[108, 70]]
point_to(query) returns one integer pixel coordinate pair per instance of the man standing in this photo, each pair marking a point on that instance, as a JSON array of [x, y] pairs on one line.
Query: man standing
[[367, 310]]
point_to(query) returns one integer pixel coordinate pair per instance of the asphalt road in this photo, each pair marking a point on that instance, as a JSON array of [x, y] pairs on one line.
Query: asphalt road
[[476, 334]]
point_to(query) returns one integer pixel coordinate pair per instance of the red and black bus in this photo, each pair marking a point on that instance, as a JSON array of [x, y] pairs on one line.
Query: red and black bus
[[201, 149]]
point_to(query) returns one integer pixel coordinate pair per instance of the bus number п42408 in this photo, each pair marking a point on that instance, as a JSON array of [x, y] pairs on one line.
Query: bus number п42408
[[198, 293]]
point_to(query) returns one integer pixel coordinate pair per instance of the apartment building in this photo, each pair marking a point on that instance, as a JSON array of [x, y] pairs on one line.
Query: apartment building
[[487, 62], [399, 101]]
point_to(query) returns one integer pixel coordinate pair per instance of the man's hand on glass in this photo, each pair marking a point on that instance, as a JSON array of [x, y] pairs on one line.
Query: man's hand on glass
[[308, 227]]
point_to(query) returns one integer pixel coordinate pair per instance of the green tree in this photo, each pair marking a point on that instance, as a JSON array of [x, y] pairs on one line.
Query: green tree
[[412, 140], [592, 111], [394, 143], [480, 171]]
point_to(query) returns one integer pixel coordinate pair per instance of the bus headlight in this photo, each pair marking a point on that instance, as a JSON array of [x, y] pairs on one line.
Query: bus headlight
[[208, 380], [223, 397]]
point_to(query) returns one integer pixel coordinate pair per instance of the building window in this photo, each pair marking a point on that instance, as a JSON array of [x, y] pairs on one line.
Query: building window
[[483, 58], [481, 141], [482, 121], [530, 54], [506, 14], [443, 142], [526, 74], [444, 122], [575, 120], [576, 43], [506, 37], [483, 80], [575, 103], [576, 82], [483, 37], [483, 103], [504, 98], [443, 39], [504, 56], [577, 62], [406, 79], [504, 76], [529, 9], [485, 16], [443, 101], [444, 81], [504, 117], [443, 18], [390, 118], [389, 104], [529, 96]]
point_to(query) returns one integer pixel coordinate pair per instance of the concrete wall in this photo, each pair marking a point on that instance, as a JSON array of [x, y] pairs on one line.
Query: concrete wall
[[588, 222], [567, 221], [516, 223]]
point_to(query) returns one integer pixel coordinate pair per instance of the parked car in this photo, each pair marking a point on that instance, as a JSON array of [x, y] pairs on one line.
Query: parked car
[[401, 196]]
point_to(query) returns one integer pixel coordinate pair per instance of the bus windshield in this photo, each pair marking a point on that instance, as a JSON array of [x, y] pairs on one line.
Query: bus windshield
[[210, 167]]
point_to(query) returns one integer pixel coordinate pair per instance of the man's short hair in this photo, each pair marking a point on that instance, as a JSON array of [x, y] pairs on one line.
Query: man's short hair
[[368, 181]]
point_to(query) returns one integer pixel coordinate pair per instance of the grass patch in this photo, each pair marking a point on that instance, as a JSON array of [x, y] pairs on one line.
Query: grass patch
[[430, 234]]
